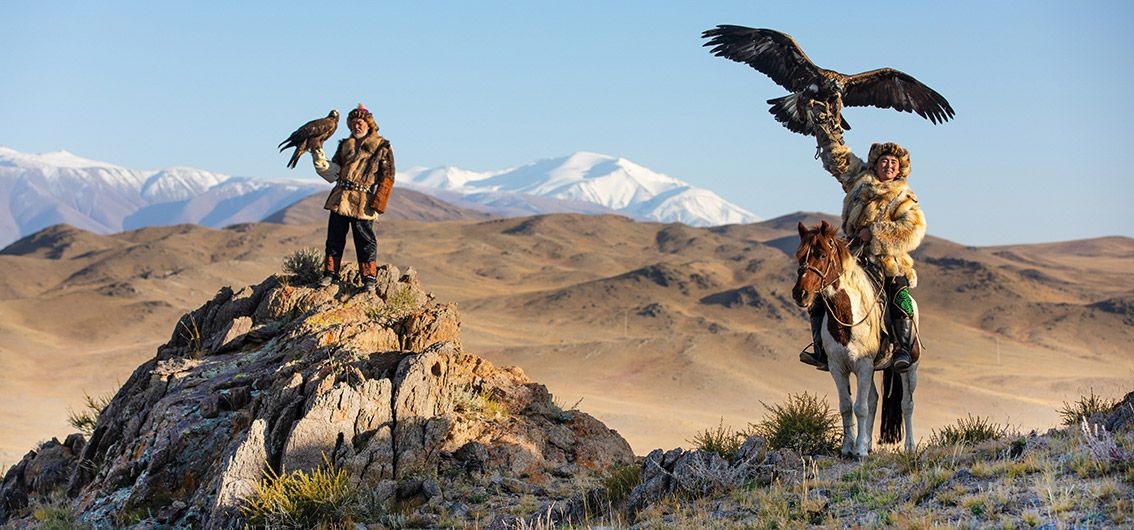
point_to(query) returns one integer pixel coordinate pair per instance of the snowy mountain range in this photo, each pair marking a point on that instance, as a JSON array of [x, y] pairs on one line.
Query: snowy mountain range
[[578, 183], [40, 190]]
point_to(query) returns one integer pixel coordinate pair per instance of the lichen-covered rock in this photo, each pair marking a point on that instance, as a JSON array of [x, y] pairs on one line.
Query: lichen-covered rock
[[40, 473], [284, 378]]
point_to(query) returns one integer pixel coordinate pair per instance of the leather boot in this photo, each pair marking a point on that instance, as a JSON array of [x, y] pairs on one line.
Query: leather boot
[[369, 272], [818, 358], [330, 271], [902, 328]]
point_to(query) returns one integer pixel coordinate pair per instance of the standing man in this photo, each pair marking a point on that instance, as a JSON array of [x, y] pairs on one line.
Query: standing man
[[363, 173], [883, 221]]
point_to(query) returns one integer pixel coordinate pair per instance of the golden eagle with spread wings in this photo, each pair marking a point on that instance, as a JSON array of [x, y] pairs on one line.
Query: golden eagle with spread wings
[[311, 135], [778, 56]]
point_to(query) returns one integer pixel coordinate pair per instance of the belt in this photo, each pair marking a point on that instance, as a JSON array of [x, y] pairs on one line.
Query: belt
[[351, 186]]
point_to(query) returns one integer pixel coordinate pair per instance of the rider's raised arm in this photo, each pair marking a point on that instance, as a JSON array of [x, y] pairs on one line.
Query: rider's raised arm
[[838, 159]]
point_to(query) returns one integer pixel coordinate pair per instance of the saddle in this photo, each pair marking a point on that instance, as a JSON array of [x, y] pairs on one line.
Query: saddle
[[878, 281]]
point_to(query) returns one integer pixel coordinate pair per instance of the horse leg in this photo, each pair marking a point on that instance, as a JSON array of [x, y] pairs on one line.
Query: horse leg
[[842, 386], [865, 404], [909, 382]]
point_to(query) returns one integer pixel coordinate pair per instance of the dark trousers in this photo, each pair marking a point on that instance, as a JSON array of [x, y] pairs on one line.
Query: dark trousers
[[365, 244]]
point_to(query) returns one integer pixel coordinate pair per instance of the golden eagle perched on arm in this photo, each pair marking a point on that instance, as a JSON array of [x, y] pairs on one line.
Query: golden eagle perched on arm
[[311, 135], [778, 56]]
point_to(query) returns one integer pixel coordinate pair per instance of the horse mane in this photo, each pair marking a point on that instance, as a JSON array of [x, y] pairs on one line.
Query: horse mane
[[810, 236]]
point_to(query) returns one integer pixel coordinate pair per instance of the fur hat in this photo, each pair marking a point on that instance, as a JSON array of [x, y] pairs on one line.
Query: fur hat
[[361, 113], [890, 148]]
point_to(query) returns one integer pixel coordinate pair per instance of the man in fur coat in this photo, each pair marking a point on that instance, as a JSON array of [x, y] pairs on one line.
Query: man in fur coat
[[362, 170], [882, 218]]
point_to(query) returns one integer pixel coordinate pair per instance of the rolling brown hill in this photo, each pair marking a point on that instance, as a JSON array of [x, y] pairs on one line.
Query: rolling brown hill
[[405, 204], [661, 330]]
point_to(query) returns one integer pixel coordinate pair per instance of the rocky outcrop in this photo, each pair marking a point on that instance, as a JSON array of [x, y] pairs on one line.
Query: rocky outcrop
[[283, 377], [698, 472], [40, 473]]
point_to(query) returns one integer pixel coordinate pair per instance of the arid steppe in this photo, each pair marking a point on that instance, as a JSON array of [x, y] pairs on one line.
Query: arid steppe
[[660, 330]]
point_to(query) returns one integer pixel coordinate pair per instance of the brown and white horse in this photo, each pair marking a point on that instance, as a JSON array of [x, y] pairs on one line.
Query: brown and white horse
[[852, 338]]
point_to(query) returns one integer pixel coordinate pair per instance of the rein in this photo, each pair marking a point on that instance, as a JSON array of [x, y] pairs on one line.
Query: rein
[[824, 283]]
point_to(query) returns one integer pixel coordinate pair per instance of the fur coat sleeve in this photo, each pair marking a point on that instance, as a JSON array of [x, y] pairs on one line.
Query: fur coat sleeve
[[838, 159]]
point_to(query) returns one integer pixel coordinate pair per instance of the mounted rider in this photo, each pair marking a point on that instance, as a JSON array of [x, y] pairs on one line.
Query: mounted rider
[[882, 218]]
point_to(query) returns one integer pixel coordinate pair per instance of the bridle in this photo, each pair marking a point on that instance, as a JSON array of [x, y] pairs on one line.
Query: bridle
[[806, 267]]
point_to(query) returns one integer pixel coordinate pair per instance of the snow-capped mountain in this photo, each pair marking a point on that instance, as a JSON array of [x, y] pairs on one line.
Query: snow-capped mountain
[[39, 190], [579, 183]]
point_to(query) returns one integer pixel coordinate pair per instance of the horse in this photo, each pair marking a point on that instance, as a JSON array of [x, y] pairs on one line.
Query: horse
[[852, 337]]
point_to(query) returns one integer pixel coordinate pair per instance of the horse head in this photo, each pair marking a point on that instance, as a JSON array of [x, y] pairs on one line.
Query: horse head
[[820, 256]]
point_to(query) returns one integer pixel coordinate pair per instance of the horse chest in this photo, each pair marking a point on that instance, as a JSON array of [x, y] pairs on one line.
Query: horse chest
[[840, 307]]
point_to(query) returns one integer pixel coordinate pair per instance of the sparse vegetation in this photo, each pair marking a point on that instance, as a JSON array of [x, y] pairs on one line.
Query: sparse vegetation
[[400, 303], [306, 264], [805, 424], [469, 400], [322, 498], [620, 481], [85, 419], [968, 430], [55, 513], [721, 440], [1086, 406], [191, 332]]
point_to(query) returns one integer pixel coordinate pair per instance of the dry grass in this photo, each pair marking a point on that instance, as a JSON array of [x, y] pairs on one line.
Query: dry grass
[[86, 418], [1075, 412], [323, 498]]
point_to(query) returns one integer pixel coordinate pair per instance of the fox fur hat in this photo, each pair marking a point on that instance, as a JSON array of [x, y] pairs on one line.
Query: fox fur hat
[[889, 148], [361, 113]]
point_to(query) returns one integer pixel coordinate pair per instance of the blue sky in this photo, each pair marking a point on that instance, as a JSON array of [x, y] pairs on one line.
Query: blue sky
[[1039, 149]]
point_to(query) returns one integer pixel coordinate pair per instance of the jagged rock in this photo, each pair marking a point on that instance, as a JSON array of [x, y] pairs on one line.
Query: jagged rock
[[41, 472], [288, 378], [1120, 418], [697, 473]]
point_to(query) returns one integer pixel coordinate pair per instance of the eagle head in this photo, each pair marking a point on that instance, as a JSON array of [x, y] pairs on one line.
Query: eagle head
[[333, 114]]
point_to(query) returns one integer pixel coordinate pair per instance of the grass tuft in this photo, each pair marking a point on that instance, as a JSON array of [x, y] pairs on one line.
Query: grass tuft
[[721, 440], [306, 264], [968, 430], [400, 303], [805, 424], [322, 498], [620, 481], [1082, 409]]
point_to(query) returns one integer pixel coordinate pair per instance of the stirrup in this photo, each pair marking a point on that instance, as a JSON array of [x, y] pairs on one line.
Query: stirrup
[[901, 363], [811, 358]]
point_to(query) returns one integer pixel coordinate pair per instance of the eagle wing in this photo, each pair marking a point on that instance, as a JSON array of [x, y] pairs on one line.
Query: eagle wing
[[770, 52], [888, 88]]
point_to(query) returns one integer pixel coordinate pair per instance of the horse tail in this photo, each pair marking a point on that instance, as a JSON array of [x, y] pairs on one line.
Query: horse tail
[[891, 425]]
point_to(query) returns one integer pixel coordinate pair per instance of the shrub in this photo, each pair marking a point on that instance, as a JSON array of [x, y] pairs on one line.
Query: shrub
[[322, 498], [306, 264], [85, 419], [1075, 412], [968, 430], [804, 423], [722, 440]]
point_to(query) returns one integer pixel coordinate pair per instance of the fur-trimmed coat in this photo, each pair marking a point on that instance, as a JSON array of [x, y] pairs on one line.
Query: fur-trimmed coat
[[888, 209], [356, 168]]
